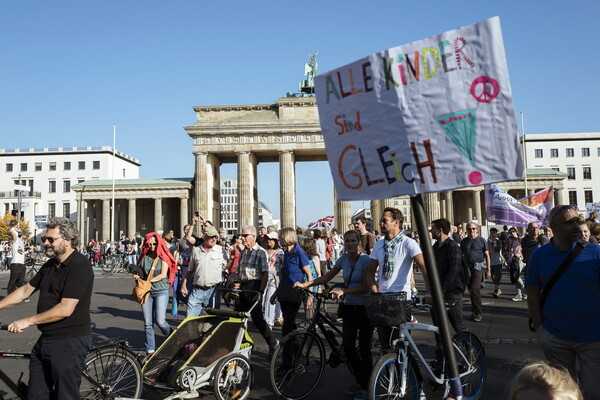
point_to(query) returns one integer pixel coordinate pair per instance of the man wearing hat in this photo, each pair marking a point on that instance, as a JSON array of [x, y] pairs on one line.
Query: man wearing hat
[[206, 267]]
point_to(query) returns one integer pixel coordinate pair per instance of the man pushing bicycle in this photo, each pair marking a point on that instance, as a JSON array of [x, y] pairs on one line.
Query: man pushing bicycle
[[65, 283]]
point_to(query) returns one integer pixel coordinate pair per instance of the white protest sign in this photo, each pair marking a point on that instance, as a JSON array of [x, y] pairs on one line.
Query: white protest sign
[[429, 116]]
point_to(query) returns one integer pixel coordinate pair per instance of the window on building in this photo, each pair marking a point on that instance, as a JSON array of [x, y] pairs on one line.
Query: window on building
[[38, 166], [67, 210], [585, 152], [51, 210], [570, 152], [81, 165], [124, 173], [554, 153], [598, 151], [587, 172], [571, 172], [67, 166], [80, 180], [52, 186], [23, 166], [96, 164], [9, 166], [556, 169], [66, 186], [573, 197], [588, 196], [52, 166], [539, 153]]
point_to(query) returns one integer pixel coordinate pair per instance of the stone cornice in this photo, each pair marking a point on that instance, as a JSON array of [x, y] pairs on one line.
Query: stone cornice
[[248, 107]]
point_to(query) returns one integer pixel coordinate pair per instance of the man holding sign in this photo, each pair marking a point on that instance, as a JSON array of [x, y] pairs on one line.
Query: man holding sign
[[392, 259]]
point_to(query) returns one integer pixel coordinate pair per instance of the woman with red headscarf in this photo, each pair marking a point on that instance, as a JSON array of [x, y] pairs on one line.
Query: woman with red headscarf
[[155, 308]]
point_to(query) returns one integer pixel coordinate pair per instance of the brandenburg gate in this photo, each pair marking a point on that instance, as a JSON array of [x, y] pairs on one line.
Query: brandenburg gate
[[285, 132]]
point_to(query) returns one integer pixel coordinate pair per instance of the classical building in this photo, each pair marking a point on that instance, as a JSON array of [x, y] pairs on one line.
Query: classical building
[[577, 155], [141, 205], [50, 174]]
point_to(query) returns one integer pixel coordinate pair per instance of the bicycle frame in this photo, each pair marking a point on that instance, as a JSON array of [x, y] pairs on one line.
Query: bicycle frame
[[409, 343], [319, 320], [19, 388]]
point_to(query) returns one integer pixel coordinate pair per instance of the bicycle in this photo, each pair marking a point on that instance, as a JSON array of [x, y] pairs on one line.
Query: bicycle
[[396, 375], [298, 361], [115, 263], [111, 371]]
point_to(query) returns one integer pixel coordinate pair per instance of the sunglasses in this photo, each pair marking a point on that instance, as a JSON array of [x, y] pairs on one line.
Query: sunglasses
[[563, 209], [49, 239], [247, 234]]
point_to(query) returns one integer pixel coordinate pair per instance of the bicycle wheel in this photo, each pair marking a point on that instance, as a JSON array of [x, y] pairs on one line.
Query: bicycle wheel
[[386, 380], [297, 365], [108, 265], [233, 377], [111, 372], [472, 356]]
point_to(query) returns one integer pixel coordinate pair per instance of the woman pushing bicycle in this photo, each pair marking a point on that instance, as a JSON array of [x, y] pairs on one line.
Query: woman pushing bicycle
[[356, 322]]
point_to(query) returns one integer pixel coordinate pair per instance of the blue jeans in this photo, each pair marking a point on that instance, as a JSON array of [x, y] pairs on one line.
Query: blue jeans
[[155, 310], [199, 299]]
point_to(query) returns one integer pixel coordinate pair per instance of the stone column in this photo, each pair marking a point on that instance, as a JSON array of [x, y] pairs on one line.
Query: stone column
[[158, 221], [558, 197], [183, 213], [246, 190], [201, 187], [82, 233], [431, 204], [342, 213], [287, 188], [376, 212], [106, 219], [477, 205], [131, 217], [450, 206], [89, 218]]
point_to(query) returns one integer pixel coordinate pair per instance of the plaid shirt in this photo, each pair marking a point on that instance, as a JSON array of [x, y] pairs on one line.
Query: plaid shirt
[[253, 262]]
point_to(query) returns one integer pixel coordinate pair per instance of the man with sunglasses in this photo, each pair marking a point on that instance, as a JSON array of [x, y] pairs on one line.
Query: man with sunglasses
[[477, 256], [65, 283], [568, 323], [206, 268]]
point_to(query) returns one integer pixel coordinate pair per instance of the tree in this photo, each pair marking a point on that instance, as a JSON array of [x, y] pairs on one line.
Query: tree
[[24, 225]]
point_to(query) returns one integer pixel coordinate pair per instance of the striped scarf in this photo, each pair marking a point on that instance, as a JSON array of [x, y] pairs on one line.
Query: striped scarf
[[388, 260]]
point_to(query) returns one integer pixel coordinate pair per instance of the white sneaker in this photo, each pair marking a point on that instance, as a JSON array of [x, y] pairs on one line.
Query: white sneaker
[[517, 298]]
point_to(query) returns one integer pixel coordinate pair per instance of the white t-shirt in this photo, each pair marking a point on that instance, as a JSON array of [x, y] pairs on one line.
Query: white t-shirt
[[18, 256], [403, 258]]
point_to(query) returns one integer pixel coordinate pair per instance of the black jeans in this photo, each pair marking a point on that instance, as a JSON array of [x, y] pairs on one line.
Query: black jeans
[[56, 366], [17, 277], [497, 274], [455, 315], [475, 291], [258, 318], [356, 324]]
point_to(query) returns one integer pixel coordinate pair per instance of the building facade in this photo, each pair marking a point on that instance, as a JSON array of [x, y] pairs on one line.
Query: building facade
[[577, 155], [229, 206], [50, 173]]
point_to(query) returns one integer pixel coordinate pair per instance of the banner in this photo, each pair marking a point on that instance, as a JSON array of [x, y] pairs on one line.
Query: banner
[[503, 209], [430, 116]]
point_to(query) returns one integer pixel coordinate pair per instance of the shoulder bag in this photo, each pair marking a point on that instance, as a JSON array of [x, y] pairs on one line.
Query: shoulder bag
[[142, 287], [559, 272]]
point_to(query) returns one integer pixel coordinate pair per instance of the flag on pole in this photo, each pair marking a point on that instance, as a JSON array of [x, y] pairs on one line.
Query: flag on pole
[[325, 222]]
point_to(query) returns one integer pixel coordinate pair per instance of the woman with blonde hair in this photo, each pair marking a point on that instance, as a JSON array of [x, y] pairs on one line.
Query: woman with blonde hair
[[539, 381]]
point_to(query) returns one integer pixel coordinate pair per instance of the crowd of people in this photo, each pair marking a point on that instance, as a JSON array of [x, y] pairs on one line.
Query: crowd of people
[[275, 263]]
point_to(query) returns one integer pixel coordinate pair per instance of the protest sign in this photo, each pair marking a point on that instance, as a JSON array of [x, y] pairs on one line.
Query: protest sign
[[502, 208], [429, 116], [591, 207]]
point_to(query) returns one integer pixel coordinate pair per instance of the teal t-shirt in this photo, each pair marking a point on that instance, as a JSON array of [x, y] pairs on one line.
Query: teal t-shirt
[[361, 264], [147, 265]]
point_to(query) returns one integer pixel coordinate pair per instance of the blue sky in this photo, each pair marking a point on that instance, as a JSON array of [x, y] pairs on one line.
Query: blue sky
[[70, 69]]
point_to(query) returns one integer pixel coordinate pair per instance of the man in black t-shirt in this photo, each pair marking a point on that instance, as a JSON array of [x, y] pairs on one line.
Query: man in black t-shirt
[[477, 256], [65, 283]]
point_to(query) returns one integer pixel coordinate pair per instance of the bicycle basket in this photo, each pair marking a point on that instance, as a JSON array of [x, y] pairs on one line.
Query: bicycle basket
[[386, 309]]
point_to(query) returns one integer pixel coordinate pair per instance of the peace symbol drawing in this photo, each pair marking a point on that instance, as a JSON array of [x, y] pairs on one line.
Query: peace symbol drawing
[[485, 89]]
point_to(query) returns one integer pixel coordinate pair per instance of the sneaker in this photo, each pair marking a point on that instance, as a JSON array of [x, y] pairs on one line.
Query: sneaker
[[413, 319], [497, 293], [476, 318], [272, 349], [517, 298], [524, 297], [353, 389], [360, 395]]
